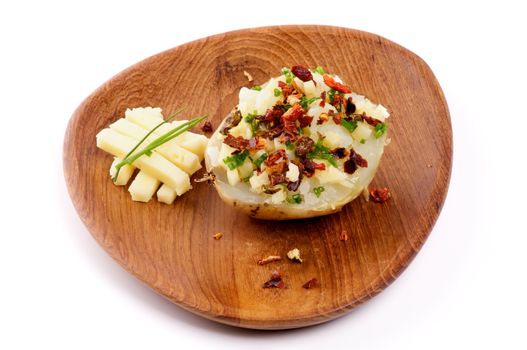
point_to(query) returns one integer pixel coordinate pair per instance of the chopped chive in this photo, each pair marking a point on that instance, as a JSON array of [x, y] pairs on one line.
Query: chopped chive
[[380, 129], [305, 102], [318, 190], [322, 152], [257, 88], [236, 160], [277, 92], [260, 160], [349, 125], [295, 199], [288, 75]]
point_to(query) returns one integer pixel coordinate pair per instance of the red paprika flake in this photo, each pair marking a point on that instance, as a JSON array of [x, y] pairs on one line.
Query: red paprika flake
[[275, 157], [302, 73], [236, 142], [370, 120], [276, 281], [380, 195], [286, 89], [290, 117], [322, 99], [305, 120], [329, 81]]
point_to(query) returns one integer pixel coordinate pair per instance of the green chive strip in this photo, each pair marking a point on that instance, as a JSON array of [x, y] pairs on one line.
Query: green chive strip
[[170, 135]]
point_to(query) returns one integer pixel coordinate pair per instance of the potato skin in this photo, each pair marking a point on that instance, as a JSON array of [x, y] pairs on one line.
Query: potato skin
[[264, 211]]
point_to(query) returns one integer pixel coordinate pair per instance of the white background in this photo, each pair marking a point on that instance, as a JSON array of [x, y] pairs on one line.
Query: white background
[[59, 290]]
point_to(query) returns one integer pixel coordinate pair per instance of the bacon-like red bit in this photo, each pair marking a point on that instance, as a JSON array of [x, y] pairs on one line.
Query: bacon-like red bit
[[355, 160], [207, 126], [275, 157], [256, 143], [269, 259], [304, 145], [236, 142], [305, 120], [277, 178], [293, 186], [240, 144], [273, 133], [310, 284], [302, 73], [336, 118], [277, 166], [286, 89], [272, 115], [343, 236], [290, 117], [322, 99], [310, 167], [276, 281], [335, 85], [370, 120], [337, 101], [380, 195]]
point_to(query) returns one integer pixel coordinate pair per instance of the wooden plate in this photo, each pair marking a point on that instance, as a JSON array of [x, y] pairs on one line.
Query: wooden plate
[[170, 247]]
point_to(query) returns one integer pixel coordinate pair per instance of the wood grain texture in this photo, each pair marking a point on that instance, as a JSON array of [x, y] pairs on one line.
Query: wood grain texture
[[170, 247]]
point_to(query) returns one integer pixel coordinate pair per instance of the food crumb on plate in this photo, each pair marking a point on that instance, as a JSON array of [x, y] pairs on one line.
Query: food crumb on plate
[[269, 259], [380, 195], [276, 281], [217, 236], [294, 255], [248, 76]]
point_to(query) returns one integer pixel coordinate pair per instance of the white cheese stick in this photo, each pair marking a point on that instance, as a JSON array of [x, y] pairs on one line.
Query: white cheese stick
[[166, 195], [143, 187], [195, 143], [184, 159], [154, 165], [192, 142], [125, 173]]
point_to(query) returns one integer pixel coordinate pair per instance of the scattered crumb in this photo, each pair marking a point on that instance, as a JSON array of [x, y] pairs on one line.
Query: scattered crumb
[[269, 259], [208, 177], [217, 236], [388, 141], [380, 195], [343, 236], [429, 165], [207, 127], [276, 281], [310, 284], [294, 255], [248, 76]]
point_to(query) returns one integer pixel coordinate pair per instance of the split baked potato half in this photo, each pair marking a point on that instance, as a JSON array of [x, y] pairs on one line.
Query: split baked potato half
[[301, 145]]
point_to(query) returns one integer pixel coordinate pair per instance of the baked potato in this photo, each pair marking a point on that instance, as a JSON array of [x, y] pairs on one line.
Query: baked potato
[[301, 145]]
